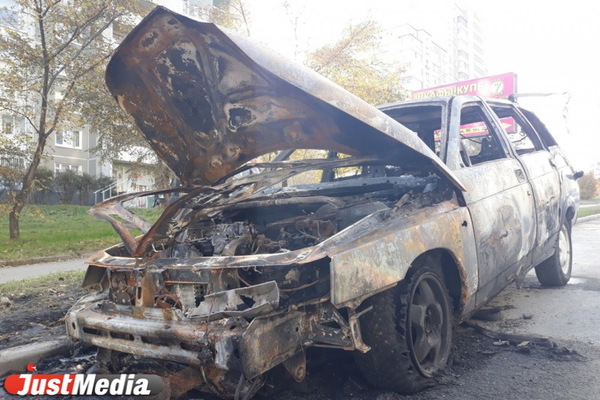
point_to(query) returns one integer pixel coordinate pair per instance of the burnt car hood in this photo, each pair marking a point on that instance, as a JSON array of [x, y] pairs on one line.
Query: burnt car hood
[[208, 101]]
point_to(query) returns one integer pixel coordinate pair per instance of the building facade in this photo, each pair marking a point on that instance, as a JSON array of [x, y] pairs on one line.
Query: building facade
[[73, 148], [445, 47]]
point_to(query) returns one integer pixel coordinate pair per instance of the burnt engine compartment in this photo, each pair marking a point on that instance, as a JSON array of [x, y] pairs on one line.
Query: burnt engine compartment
[[290, 218], [279, 219], [186, 289]]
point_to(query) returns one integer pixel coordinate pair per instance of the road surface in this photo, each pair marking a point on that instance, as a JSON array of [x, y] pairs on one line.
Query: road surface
[[21, 272], [569, 313]]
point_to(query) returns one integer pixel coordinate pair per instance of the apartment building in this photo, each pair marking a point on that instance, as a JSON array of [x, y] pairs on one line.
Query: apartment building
[[437, 48], [73, 148]]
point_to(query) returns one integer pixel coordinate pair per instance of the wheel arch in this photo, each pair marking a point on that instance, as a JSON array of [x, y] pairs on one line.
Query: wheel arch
[[569, 213], [454, 274]]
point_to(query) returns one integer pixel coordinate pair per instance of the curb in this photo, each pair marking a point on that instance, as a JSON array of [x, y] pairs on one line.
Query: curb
[[40, 260], [587, 218], [15, 359]]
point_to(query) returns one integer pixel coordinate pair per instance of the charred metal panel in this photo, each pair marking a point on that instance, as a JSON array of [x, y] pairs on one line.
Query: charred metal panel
[[113, 207], [156, 333], [95, 276], [569, 188], [382, 258], [502, 210], [209, 101], [269, 341], [248, 302], [546, 186]]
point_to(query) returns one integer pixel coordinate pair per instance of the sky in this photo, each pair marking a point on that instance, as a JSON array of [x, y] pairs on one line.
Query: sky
[[552, 46]]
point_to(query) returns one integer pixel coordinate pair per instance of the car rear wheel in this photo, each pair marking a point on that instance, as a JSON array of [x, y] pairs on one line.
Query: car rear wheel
[[409, 331], [556, 270]]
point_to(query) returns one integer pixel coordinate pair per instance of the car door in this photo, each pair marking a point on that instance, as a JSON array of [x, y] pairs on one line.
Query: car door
[[540, 166], [498, 196]]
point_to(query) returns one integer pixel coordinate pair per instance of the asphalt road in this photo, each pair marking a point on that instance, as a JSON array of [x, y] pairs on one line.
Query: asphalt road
[[571, 313], [21, 272]]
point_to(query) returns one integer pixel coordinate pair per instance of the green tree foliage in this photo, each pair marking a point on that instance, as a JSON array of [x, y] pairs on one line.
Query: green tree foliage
[[68, 183], [13, 156], [104, 182], [65, 185], [42, 185], [588, 186], [48, 49], [354, 62], [86, 184]]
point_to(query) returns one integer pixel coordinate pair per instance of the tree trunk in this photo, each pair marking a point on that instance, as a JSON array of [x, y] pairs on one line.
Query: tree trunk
[[42, 132], [21, 196], [13, 220]]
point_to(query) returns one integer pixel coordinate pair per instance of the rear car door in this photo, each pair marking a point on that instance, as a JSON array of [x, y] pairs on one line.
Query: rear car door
[[498, 196], [540, 166]]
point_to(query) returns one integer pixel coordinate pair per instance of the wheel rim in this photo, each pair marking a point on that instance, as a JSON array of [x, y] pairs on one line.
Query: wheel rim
[[564, 250], [429, 325]]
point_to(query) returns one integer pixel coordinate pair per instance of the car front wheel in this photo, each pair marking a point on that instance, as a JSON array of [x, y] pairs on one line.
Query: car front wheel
[[556, 270], [409, 331]]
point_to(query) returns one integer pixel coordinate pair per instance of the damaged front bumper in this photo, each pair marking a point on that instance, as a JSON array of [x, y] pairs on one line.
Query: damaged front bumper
[[232, 333]]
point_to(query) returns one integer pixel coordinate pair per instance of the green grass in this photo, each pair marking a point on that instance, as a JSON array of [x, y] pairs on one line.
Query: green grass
[[591, 201], [60, 229], [584, 212]]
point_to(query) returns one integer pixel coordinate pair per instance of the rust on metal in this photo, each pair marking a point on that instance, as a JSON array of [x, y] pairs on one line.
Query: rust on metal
[[259, 257], [209, 101]]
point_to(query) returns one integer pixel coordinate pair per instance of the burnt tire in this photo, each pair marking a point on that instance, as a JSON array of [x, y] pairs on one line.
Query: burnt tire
[[556, 270], [409, 331]]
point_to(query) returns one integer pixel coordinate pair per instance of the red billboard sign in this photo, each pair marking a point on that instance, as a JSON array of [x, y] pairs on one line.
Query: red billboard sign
[[496, 86]]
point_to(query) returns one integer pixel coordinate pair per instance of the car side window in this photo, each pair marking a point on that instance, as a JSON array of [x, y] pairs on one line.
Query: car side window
[[479, 142], [520, 133]]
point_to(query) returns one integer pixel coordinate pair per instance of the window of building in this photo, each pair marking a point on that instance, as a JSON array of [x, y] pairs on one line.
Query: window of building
[[69, 139], [8, 14], [62, 167], [12, 162], [7, 124]]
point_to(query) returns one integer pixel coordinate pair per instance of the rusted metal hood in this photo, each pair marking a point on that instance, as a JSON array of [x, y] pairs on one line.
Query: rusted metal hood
[[208, 101]]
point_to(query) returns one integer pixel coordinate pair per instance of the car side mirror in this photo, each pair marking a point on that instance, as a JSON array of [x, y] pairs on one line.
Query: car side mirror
[[577, 175]]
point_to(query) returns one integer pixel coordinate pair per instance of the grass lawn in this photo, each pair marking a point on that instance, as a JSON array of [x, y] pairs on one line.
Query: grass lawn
[[584, 212], [591, 201], [60, 229]]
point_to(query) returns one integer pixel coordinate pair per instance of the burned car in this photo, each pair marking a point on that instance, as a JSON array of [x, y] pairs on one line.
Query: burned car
[[309, 218]]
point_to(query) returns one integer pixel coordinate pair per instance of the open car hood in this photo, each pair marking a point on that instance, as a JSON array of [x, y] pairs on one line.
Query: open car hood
[[208, 101]]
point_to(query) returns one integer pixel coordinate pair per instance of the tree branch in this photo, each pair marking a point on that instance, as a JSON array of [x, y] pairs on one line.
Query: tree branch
[[77, 32], [22, 114], [84, 46], [344, 44]]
